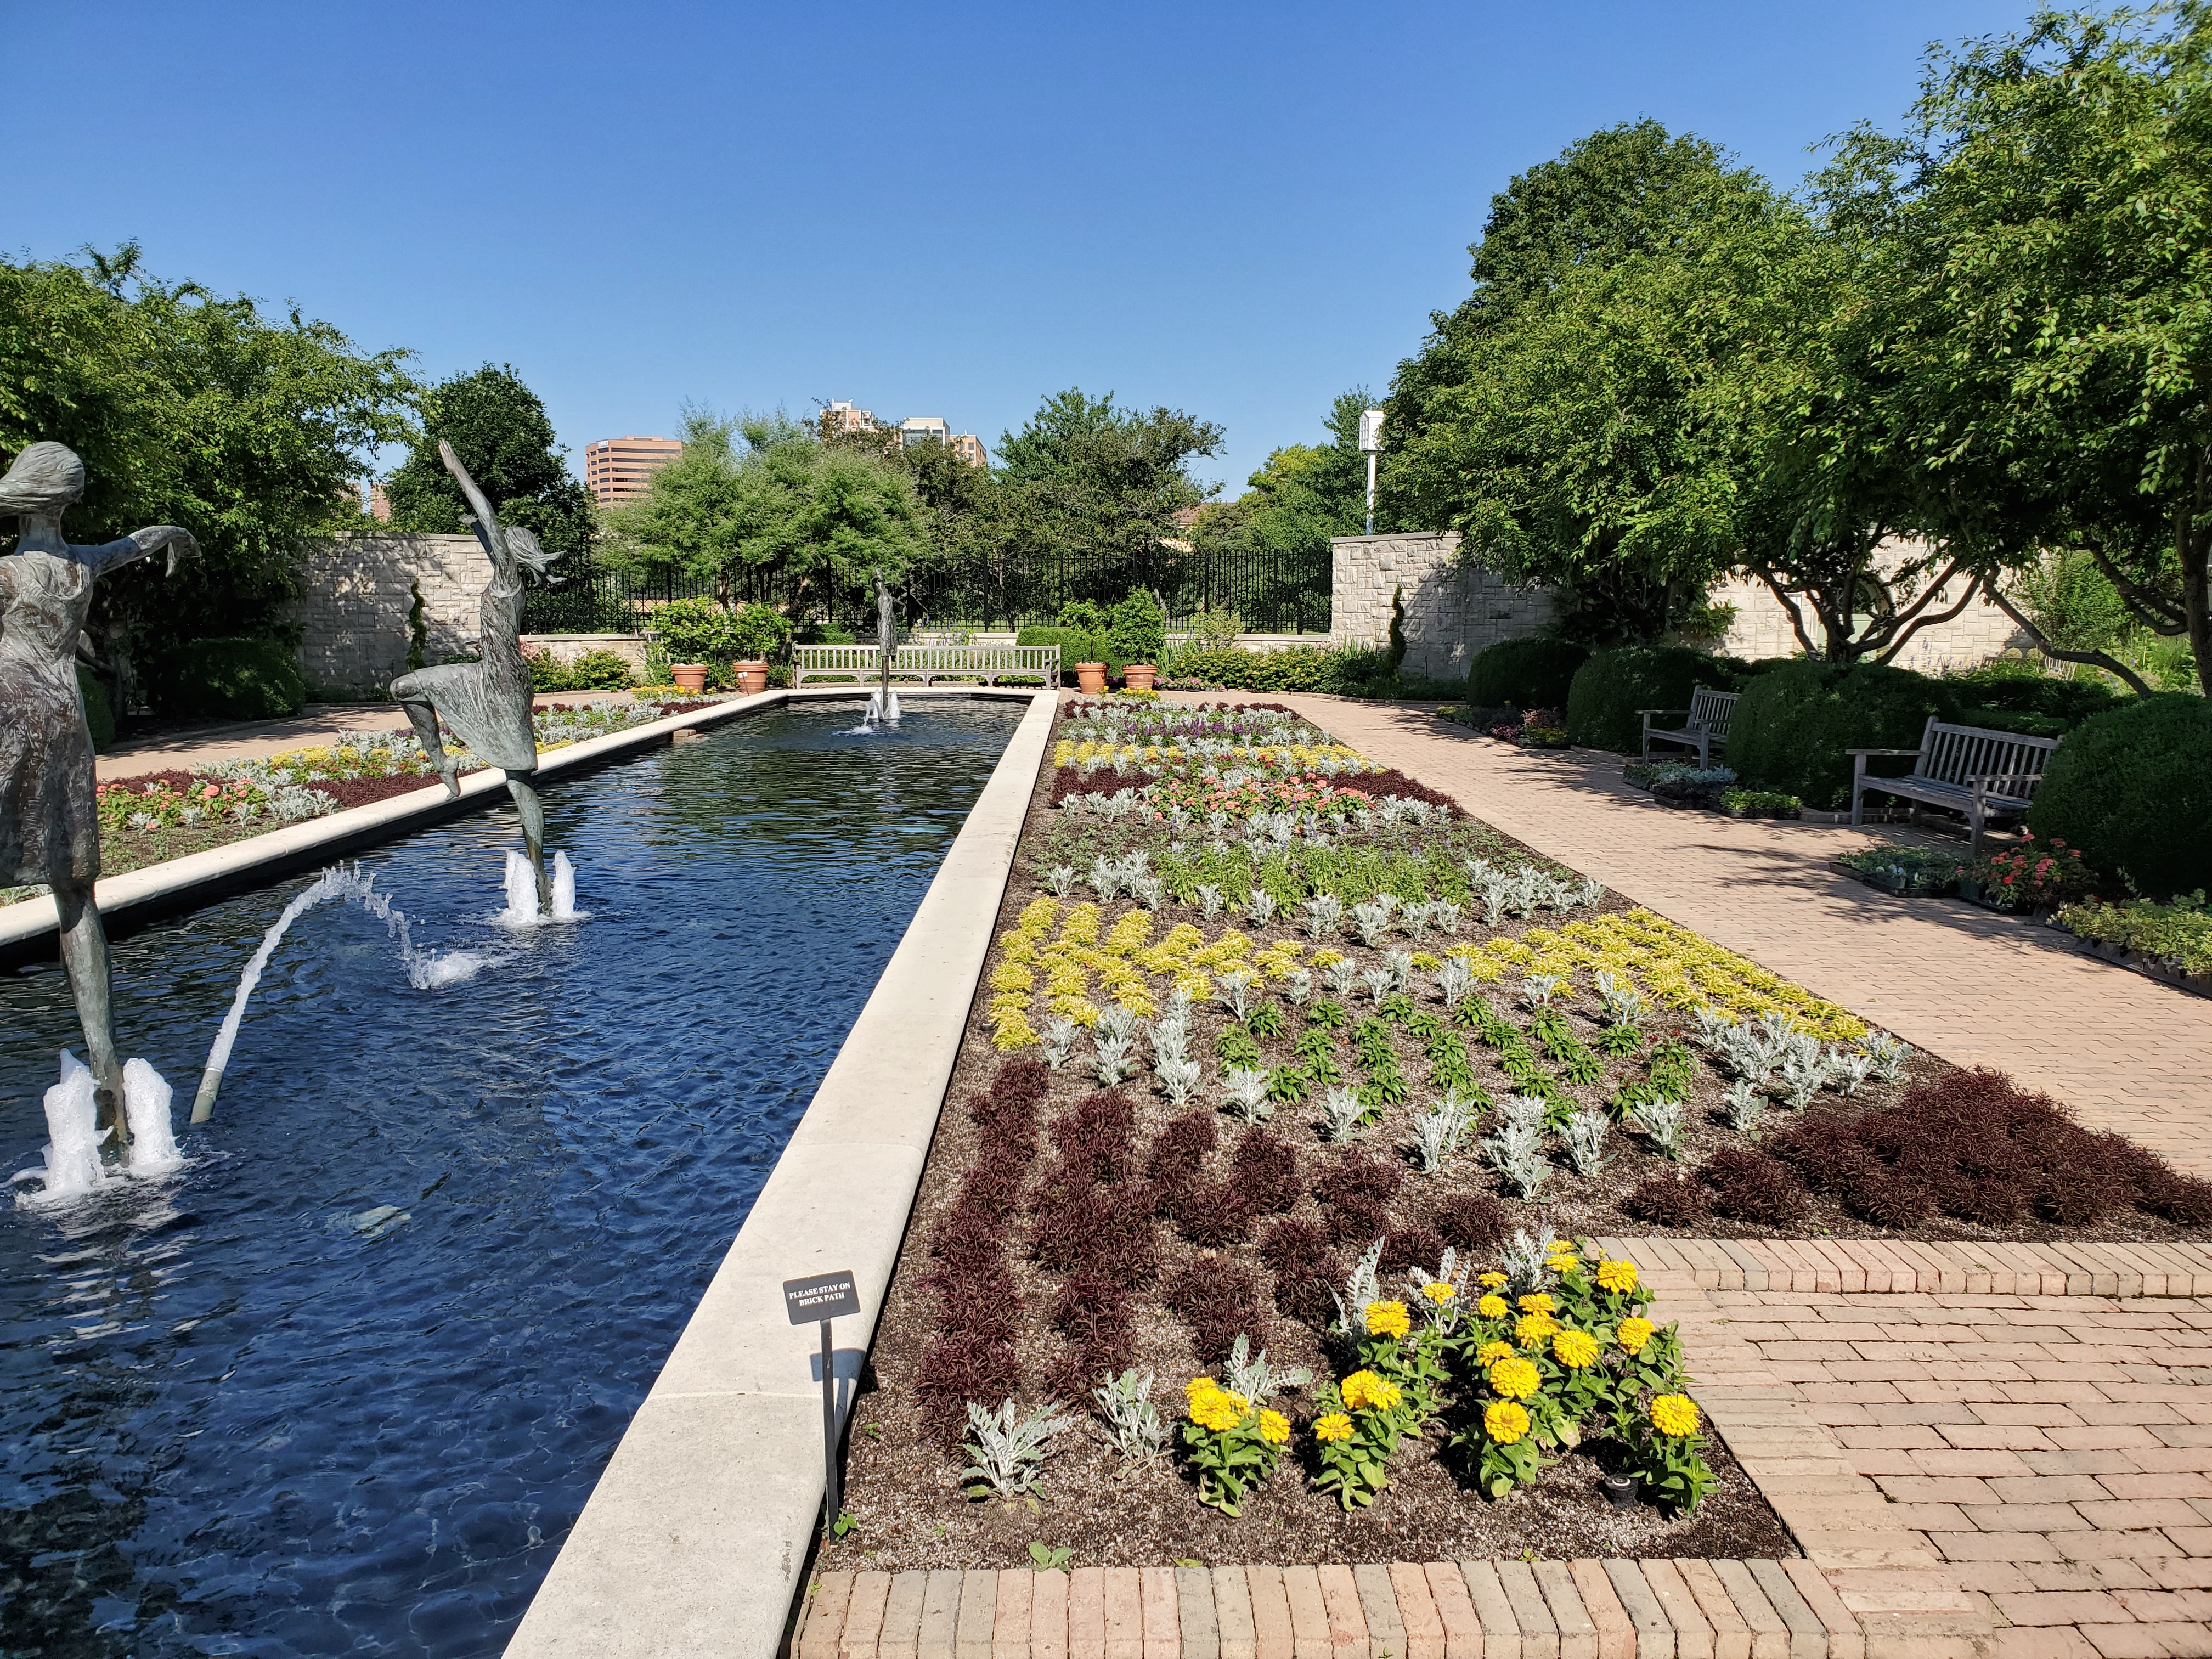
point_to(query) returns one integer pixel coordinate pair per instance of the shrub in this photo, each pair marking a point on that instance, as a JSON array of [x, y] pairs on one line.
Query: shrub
[[1607, 691], [596, 671], [1666, 1200], [759, 633], [1752, 1186], [1076, 645], [99, 712], [1306, 1269], [1790, 732], [1301, 668], [1266, 1172], [1973, 1146], [237, 678], [1526, 673], [1138, 631], [1220, 1299], [694, 630], [1471, 1223], [1988, 696], [2132, 789]]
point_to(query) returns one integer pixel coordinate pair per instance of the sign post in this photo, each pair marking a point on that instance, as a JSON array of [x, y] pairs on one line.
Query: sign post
[[822, 1297], [1370, 440]]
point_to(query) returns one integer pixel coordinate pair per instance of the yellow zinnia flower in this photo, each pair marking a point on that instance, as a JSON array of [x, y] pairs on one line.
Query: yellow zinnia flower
[[1504, 1422], [1534, 1330], [1493, 1307], [1440, 1293], [1491, 1281], [1491, 1353], [1575, 1349], [1515, 1378], [1674, 1415], [1274, 1428], [1619, 1277], [1634, 1333], [1363, 1391], [1538, 1303], [1388, 1319], [1334, 1427]]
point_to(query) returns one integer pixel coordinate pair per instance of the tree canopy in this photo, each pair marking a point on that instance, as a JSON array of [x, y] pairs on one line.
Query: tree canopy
[[194, 410], [499, 430]]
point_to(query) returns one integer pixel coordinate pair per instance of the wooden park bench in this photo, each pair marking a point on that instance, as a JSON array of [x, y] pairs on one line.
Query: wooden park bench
[[1704, 729], [925, 663], [1988, 775]]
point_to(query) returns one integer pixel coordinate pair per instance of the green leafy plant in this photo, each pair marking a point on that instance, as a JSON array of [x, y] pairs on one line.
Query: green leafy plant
[[1232, 1444], [1049, 1557], [696, 630]]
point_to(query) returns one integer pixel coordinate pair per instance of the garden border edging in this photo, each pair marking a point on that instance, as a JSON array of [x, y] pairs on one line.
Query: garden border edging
[[694, 1538]]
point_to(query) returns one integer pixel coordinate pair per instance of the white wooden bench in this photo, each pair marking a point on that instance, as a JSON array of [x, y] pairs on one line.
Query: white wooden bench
[[1705, 727], [1986, 775], [925, 663]]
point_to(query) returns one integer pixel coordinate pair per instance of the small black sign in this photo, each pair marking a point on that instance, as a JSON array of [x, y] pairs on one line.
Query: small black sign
[[819, 1296]]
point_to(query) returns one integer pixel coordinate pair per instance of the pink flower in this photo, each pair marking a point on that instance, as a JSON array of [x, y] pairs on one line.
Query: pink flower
[[211, 791]]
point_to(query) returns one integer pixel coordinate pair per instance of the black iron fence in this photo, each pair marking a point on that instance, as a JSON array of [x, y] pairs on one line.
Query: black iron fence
[[1270, 592]]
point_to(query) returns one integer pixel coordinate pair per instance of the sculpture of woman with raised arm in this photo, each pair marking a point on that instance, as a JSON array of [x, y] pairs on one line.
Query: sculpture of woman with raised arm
[[49, 816], [487, 702]]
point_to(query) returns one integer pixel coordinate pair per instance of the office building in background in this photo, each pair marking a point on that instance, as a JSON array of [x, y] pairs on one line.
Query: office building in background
[[619, 468]]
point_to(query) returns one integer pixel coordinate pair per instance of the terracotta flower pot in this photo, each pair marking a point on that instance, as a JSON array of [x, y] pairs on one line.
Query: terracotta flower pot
[[752, 677], [1137, 676], [1090, 676], [688, 676]]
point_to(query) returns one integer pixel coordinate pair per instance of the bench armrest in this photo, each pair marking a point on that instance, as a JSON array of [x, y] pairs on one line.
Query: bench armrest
[[1882, 751]]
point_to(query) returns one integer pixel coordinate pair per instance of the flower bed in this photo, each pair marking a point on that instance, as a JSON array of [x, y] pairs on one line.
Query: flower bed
[[1249, 1078]]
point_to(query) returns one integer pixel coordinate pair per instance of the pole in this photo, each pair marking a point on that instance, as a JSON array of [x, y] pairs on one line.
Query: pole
[[1371, 492], [832, 1508]]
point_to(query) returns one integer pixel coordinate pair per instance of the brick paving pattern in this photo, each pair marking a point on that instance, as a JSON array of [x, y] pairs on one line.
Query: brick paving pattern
[[2056, 1451], [1976, 987]]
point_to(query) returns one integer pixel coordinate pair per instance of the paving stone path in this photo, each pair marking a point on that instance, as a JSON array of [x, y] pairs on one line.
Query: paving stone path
[[1976, 987]]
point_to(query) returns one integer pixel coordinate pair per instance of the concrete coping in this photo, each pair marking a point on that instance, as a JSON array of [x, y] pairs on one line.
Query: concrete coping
[[178, 884], [694, 1538]]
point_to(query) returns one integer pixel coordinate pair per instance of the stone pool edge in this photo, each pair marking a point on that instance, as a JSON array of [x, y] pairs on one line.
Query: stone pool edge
[[137, 897], [694, 1538]]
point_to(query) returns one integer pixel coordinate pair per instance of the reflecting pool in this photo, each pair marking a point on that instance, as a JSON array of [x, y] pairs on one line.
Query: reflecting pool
[[342, 1385]]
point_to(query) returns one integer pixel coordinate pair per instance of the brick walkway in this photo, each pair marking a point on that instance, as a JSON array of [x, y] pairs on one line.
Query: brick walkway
[[2055, 1451], [1973, 987]]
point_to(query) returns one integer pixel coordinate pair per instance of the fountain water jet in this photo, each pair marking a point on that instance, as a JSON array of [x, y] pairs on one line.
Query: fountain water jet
[[336, 883]]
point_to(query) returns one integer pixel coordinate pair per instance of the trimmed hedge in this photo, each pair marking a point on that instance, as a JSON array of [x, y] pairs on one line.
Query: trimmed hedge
[[1608, 690], [2132, 788], [99, 714], [1794, 722], [1525, 674], [1300, 668], [2065, 702], [234, 678]]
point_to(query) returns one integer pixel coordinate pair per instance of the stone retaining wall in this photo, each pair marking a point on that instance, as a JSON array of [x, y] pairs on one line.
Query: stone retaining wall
[[1453, 610], [358, 590]]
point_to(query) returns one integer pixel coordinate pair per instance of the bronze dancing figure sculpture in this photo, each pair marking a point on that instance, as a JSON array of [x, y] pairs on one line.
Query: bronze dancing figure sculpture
[[487, 702], [48, 815]]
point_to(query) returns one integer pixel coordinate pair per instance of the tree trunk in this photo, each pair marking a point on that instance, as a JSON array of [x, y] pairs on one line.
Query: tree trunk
[[2194, 548]]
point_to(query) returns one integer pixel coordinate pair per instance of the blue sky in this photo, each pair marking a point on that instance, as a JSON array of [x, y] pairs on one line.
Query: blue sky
[[930, 210]]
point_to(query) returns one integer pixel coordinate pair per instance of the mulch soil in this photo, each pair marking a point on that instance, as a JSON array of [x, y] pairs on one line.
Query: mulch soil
[[904, 1483]]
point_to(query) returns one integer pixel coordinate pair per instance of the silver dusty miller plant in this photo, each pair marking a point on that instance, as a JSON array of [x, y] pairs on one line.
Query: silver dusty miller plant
[[1139, 1433], [1010, 1447]]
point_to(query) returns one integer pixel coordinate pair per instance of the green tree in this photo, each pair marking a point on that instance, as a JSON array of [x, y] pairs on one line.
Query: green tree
[[758, 503], [500, 429], [1559, 419], [1089, 478], [192, 409], [2051, 266]]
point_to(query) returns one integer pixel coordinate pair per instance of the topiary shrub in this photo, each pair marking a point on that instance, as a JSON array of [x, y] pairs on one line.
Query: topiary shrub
[[759, 633], [1608, 690], [234, 678], [2132, 789], [1790, 732], [696, 630], [1526, 673], [99, 714]]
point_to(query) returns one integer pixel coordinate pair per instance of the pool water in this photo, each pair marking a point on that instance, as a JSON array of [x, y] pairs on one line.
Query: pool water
[[251, 1409]]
